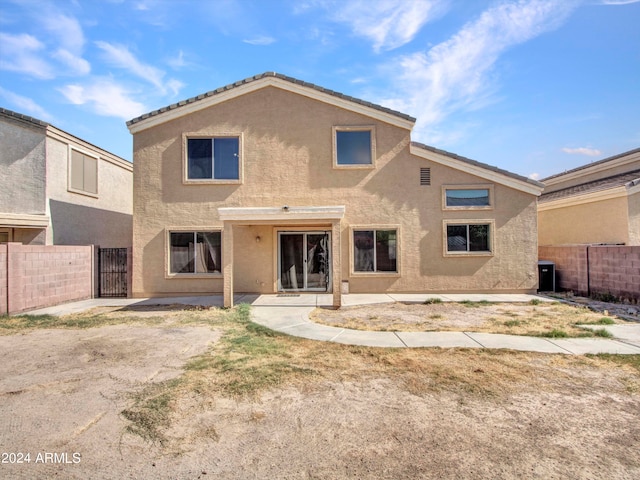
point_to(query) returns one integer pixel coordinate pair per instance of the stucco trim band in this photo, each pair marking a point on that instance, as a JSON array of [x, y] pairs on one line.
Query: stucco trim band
[[608, 194]]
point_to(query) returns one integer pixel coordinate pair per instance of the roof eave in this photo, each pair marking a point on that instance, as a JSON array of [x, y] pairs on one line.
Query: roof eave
[[478, 169], [258, 82]]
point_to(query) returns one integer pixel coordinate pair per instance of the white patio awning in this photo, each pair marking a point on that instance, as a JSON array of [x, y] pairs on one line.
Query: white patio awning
[[284, 213]]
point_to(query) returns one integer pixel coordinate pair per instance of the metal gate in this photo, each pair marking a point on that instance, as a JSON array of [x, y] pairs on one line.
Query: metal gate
[[112, 265]]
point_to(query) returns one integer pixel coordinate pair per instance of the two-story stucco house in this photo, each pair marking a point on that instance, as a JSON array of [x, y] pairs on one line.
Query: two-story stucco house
[[57, 189], [272, 185]]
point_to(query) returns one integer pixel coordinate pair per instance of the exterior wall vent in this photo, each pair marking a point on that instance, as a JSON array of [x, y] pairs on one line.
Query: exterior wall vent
[[425, 176]]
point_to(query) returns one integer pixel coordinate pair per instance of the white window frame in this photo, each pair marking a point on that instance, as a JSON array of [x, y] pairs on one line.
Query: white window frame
[[374, 229], [461, 222], [211, 181], [488, 187], [89, 154], [361, 128], [194, 230]]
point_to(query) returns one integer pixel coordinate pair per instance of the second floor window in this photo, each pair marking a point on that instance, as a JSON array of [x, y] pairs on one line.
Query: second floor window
[[213, 158]]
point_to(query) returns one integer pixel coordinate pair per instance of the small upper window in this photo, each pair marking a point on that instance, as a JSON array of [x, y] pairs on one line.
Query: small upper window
[[354, 147], [83, 173], [467, 197], [213, 158]]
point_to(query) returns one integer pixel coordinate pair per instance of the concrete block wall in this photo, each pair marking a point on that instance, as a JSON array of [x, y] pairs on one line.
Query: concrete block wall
[[571, 266], [42, 276], [615, 270], [596, 269]]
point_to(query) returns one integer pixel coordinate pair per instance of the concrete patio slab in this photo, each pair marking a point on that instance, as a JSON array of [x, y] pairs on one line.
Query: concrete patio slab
[[516, 342], [438, 339], [280, 318], [365, 299], [580, 346]]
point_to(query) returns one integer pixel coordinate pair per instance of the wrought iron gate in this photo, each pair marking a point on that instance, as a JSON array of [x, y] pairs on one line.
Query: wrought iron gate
[[112, 267]]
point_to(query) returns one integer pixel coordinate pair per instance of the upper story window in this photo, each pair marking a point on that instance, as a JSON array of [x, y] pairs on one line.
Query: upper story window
[[471, 197], [213, 159], [83, 173], [354, 147]]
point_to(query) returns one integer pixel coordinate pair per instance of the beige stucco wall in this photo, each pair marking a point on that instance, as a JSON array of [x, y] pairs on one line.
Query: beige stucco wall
[[77, 219], [287, 153], [602, 221], [633, 202], [22, 170]]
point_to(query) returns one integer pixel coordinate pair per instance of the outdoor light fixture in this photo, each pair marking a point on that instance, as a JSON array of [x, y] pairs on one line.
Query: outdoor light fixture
[[258, 239], [285, 208]]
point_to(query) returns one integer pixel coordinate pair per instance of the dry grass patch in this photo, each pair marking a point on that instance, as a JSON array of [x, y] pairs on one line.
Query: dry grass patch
[[539, 319]]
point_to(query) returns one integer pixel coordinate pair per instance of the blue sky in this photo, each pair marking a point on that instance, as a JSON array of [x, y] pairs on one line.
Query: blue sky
[[533, 86]]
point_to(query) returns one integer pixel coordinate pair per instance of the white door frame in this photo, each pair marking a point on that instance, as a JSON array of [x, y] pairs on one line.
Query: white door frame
[[304, 233]]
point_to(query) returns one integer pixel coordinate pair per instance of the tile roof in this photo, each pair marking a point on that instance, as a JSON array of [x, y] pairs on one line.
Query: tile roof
[[266, 75], [589, 165], [22, 118], [478, 164], [621, 180]]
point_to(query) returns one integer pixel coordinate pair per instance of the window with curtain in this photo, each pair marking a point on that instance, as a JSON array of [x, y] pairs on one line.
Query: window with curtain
[[375, 250], [195, 252]]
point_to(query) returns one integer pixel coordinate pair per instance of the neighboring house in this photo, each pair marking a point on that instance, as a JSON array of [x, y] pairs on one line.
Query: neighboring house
[[272, 185], [56, 189], [598, 203]]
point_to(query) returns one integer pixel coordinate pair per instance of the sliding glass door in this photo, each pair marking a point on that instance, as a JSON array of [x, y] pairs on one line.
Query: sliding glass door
[[303, 261]]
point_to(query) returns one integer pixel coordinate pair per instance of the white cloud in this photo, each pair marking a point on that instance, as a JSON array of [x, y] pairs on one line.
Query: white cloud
[[25, 105], [534, 176], [76, 64], [22, 53], [590, 152], [121, 57], [456, 74], [260, 40], [618, 2], [66, 29], [389, 23], [105, 97]]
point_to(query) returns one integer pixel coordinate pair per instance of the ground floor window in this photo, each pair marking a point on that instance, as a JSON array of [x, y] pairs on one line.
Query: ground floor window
[[195, 252], [468, 238], [375, 250]]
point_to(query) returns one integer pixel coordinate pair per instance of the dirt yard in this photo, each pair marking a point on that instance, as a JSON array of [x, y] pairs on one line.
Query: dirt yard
[[87, 398], [534, 319]]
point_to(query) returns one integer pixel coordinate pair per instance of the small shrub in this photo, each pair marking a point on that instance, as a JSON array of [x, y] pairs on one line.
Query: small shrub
[[603, 332], [431, 301], [606, 321], [535, 301], [555, 333], [605, 297], [512, 323]]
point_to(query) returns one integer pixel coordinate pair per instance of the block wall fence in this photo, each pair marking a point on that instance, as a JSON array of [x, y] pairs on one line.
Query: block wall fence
[[33, 276], [596, 269]]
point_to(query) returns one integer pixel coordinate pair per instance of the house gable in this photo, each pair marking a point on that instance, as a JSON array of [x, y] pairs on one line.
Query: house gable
[[481, 170], [264, 80]]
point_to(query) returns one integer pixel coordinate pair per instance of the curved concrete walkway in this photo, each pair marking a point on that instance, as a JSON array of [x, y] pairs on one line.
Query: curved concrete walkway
[[289, 313]]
